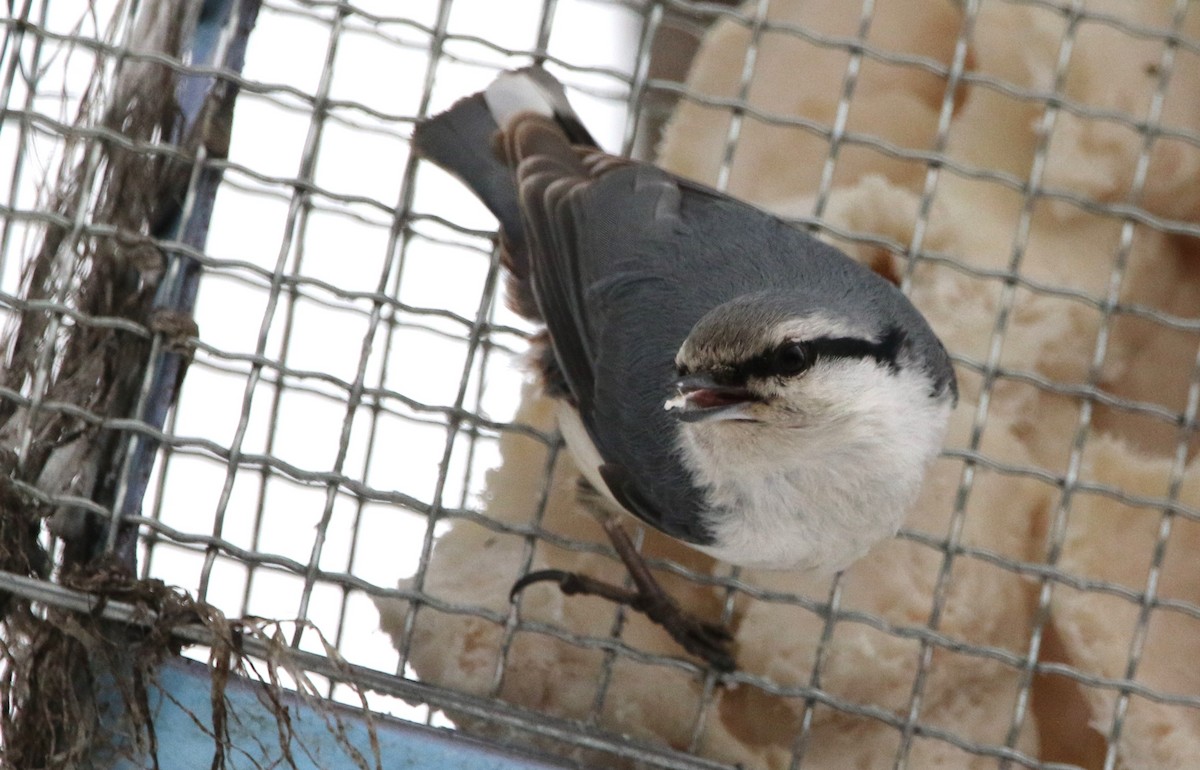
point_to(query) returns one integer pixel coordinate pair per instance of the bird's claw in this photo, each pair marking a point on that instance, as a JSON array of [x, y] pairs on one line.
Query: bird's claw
[[707, 641]]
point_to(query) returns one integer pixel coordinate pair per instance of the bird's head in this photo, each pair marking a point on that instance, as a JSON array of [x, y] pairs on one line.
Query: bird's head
[[770, 364], [809, 421]]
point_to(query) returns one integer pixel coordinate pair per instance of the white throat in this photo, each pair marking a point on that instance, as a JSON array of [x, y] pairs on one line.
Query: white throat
[[819, 493]]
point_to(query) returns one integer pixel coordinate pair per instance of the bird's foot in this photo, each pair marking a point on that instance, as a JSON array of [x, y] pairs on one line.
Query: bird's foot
[[707, 641]]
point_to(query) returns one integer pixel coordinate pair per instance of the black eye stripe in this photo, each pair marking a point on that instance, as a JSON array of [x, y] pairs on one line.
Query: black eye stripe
[[771, 363], [780, 361]]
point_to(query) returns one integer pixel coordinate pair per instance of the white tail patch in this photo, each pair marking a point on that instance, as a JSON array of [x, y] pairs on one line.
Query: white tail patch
[[515, 92]]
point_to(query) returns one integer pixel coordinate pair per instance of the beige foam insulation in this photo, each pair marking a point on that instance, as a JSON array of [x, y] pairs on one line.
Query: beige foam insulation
[[1053, 318]]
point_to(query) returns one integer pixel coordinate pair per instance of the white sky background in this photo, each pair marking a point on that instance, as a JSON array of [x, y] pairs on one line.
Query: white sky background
[[344, 245]]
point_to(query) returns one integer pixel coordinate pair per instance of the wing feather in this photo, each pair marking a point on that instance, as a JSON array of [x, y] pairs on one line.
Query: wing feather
[[602, 235]]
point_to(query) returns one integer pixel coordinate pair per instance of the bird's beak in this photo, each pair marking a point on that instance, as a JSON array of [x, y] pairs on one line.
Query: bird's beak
[[701, 398]]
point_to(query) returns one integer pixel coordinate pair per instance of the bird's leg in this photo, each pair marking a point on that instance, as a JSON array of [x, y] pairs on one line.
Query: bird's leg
[[708, 641]]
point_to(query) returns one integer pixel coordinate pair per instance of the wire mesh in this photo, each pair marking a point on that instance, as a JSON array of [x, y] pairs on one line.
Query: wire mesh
[[356, 372]]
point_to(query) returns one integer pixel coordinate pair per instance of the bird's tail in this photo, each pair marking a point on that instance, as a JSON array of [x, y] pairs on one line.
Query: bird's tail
[[462, 140]]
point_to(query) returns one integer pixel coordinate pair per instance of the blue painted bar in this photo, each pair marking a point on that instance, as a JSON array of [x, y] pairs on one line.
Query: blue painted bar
[[182, 712], [177, 292]]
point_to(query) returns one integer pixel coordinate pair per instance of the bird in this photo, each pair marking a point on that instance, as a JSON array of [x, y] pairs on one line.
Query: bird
[[719, 373]]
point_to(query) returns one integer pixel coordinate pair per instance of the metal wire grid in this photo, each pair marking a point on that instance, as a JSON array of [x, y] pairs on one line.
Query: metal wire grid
[[222, 517]]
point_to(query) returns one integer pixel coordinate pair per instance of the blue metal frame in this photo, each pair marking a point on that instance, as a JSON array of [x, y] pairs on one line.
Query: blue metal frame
[[181, 707]]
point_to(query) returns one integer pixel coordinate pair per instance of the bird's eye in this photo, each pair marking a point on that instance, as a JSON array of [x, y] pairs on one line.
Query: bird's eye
[[791, 359]]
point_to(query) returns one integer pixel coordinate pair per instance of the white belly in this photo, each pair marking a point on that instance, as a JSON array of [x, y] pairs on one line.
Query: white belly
[[587, 458]]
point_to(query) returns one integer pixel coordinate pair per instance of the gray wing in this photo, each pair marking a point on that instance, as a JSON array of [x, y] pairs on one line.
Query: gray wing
[[618, 306], [609, 256], [604, 240]]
